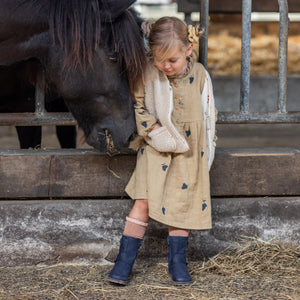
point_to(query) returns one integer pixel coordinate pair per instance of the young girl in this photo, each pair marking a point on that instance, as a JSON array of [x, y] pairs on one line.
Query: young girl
[[175, 118]]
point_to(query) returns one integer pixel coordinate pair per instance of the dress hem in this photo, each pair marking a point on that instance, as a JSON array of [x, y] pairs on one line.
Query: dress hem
[[179, 225]]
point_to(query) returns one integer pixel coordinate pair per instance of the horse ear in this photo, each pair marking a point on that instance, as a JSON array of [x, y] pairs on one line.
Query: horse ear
[[114, 8]]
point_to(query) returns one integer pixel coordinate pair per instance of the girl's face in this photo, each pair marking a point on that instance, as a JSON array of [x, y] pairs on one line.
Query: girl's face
[[174, 62]]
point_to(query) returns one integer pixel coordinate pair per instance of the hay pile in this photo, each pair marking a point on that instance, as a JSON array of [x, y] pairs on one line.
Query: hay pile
[[224, 54], [254, 256], [254, 270]]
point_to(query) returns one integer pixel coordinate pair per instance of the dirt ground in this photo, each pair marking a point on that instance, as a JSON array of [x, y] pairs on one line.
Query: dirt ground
[[254, 270], [149, 281]]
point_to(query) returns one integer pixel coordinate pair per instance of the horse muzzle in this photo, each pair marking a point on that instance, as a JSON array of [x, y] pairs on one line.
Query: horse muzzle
[[105, 141]]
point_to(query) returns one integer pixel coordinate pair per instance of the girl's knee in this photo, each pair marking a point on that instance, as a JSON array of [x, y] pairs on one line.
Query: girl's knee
[[140, 210], [142, 204], [174, 231]]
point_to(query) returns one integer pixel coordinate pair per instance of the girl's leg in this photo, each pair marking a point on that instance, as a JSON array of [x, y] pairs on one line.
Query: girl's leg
[[135, 227], [177, 240], [173, 231], [137, 221], [140, 210]]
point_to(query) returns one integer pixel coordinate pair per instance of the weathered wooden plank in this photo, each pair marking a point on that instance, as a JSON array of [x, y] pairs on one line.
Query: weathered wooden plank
[[24, 176], [233, 6], [256, 172], [80, 174], [64, 173], [91, 175]]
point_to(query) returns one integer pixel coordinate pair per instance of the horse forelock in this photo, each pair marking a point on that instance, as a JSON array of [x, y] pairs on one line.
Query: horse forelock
[[77, 27]]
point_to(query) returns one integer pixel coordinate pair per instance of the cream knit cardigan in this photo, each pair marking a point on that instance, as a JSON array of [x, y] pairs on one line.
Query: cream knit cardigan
[[159, 102]]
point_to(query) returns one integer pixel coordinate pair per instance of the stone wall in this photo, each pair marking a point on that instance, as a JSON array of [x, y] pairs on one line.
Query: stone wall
[[47, 232]]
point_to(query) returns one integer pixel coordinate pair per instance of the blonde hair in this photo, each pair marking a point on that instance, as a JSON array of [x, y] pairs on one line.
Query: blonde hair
[[168, 33]]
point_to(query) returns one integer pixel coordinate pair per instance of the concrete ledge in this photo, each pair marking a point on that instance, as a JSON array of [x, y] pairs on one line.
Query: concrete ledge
[[88, 231], [87, 173]]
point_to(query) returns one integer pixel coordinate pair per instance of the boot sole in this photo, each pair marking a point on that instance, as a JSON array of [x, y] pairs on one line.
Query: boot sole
[[117, 281], [181, 283]]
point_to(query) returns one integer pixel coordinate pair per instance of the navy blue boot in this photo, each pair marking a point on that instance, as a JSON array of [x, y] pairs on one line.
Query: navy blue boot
[[123, 264], [177, 260]]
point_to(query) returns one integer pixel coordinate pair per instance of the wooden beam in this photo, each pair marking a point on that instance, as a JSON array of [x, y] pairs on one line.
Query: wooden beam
[[88, 173], [256, 172]]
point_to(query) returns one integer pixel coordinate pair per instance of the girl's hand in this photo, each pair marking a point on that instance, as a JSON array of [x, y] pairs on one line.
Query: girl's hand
[[156, 126]]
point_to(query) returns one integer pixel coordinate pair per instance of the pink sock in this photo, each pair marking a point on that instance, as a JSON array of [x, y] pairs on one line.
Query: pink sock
[[134, 228]]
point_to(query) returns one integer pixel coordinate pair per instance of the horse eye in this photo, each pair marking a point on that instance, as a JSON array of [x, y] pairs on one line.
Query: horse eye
[[113, 58]]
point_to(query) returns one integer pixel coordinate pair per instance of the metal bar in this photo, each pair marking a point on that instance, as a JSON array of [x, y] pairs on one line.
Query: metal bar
[[282, 55], [259, 118], [234, 6], [40, 116], [245, 57], [33, 119], [204, 19], [188, 18]]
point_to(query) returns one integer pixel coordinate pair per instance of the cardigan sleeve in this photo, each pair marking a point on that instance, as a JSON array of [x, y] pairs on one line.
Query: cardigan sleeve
[[144, 120], [210, 118]]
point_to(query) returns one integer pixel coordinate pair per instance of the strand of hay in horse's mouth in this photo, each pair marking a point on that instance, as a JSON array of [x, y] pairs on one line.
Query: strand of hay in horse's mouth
[[111, 150]]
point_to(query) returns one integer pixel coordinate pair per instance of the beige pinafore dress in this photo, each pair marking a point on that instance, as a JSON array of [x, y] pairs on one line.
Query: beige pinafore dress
[[176, 184]]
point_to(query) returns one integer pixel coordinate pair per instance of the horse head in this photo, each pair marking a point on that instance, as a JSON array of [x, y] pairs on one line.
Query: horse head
[[92, 53], [100, 68], [99, 99]]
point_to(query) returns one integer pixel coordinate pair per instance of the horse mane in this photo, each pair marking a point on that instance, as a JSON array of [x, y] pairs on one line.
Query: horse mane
[[129, 47], [77, 27]]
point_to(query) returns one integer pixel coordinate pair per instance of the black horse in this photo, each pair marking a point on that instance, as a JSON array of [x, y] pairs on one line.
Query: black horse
[[92, 53], [17, 94]]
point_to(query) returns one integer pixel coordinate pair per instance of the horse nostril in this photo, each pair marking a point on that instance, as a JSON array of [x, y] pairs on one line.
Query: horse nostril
[[131, 138]]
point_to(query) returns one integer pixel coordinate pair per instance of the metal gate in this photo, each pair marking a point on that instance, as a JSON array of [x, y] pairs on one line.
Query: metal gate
[[40, 116], [244, 116]]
